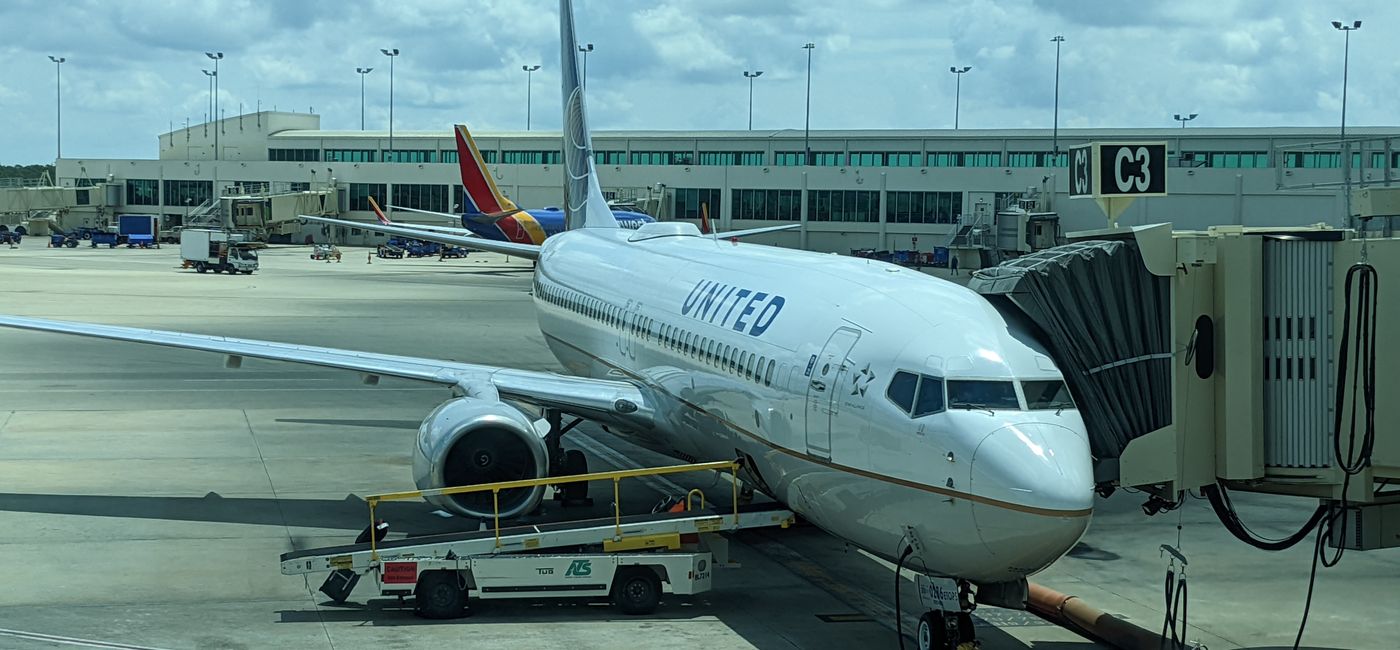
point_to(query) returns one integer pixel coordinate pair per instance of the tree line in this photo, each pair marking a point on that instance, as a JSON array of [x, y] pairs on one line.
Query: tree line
[[25, 171]]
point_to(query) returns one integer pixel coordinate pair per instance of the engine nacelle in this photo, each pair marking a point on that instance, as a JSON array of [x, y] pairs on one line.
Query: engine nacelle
[[467, 441]]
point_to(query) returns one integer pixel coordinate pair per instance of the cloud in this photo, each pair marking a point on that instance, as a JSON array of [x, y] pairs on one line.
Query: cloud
[[134, 67]]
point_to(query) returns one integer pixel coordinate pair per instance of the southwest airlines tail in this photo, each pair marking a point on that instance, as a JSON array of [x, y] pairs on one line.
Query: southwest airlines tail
[[584, 204], [482, 195]]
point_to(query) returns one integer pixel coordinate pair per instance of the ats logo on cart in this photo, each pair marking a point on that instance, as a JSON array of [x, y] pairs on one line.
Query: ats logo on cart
[[400, 573], [579, 569]]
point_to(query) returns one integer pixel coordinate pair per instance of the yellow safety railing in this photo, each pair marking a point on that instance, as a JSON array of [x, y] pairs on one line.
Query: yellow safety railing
[[615, 476]]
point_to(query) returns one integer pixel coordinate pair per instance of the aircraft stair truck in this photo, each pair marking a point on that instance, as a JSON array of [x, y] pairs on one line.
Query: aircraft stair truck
[[217, 251]]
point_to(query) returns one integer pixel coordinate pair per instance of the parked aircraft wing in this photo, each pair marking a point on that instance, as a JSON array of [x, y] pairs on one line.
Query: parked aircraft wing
[[530, 251], [613, 401]]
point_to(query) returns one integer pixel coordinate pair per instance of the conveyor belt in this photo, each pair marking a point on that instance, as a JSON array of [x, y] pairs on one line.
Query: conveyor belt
[[530, 529]]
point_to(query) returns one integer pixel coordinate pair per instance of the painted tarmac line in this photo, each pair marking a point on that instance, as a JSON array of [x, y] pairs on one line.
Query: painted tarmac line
[[68, 640]]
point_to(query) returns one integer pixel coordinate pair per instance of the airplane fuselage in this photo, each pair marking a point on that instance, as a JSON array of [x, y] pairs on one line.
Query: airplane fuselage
[[785, 358]]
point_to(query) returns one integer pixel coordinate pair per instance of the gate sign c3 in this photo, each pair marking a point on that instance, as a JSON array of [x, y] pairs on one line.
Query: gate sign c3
[[1109, 169]]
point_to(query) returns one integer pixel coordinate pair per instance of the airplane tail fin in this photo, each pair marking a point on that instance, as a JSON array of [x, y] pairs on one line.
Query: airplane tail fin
[[584, 205], [482, 195], [378, 213]]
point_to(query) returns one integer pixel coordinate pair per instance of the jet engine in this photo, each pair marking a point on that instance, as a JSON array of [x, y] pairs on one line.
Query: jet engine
[[468, 441]]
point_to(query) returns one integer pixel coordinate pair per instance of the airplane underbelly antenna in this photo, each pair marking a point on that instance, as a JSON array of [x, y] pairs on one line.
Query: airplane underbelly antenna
[[584, 204]]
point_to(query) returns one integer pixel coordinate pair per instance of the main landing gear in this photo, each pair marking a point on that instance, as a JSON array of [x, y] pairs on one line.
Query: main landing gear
[[564, 462]]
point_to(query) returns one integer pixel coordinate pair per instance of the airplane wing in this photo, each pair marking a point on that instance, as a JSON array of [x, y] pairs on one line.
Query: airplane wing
[[733, 234], [488, 217], [529, 251], [443, 229], [383, 219], [613, 401]]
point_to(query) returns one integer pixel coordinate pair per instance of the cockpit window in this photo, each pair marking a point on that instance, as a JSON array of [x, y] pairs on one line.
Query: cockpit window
[[917, 395], [901, 390], [981, 394], [1044, 395], [930, 396]]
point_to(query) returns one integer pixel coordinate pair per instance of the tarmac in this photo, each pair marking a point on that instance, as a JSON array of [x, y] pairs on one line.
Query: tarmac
[[146, 493]]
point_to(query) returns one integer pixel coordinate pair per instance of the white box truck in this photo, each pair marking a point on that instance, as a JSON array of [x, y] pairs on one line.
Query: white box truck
[[217, 251]]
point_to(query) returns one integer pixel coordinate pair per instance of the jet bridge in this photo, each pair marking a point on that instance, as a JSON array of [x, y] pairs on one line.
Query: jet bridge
[[1228, 358]]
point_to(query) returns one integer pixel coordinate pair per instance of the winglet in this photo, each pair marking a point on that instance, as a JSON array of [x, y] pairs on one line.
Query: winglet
[[584, 204]]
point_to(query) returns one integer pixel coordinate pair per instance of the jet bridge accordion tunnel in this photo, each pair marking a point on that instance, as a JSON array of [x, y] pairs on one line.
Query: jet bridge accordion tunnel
[[1243, 358]]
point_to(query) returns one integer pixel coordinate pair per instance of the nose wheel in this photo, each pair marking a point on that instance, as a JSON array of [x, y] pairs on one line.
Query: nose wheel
[[940, 630]]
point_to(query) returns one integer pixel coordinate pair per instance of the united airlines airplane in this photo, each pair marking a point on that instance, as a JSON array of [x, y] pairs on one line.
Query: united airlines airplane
[[890, 408], [491, 215]]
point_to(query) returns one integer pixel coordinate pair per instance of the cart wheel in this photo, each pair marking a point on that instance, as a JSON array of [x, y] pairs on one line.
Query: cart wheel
[[71, 243], [636, 590], [199, 266], [439, 595]]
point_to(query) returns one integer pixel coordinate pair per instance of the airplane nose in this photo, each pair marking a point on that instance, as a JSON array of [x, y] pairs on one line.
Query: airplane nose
[[1036, 482]]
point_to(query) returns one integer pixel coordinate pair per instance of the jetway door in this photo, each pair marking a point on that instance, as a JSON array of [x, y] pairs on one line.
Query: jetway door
[[1106, 321]]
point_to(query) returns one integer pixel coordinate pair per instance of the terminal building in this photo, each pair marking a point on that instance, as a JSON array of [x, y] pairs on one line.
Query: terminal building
[[863, 189]]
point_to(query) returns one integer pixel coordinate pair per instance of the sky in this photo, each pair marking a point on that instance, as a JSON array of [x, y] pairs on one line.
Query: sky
[[133, 68]]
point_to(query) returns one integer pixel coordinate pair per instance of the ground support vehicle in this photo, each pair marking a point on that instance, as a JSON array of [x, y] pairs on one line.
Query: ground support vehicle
[[10, 237], [325, 252], [217, 251], [63, 240], [139, 230], [389, 251], [631, 559], [452, 252], [108, 239]]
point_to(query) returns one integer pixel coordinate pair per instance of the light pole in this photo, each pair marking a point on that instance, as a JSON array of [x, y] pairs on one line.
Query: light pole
[[529, 77], [392, 54], [209, 109], [807, 125], [58, 93], [216, 56], [363, 72], [1056, 137], [1184, 120], [1346, 150], [957, 97], [751, 76], [586, 48]]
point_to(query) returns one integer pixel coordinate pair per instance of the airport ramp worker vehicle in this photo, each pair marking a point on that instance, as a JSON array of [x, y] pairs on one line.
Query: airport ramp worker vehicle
[[217, 251], [630, 559]]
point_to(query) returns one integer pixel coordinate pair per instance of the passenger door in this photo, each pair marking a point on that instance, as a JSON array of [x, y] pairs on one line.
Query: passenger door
[[823, 389]]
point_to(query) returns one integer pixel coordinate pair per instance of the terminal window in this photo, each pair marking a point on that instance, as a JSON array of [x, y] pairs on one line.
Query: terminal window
[[787, 159], [730, 158], [766, 205], [867, 159], [530, 157], [922, 207], [982, 159], [610, 157], [188, 192], [421, 196], [689, 200], [411, 156], [350, 155], [294, 155], [843, 205], [1312, 160], [944, 159], [662, 158], [903, 159], [448, 156], [140, 191], [360, 193]]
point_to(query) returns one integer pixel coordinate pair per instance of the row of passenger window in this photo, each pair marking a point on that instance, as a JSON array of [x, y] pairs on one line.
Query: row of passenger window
[[920, 395], [734, 360]]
